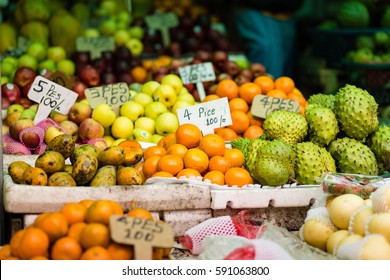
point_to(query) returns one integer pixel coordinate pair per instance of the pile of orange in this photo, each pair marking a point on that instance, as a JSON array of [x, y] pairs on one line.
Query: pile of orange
[[79, 231], [240, 99], [188, 153]]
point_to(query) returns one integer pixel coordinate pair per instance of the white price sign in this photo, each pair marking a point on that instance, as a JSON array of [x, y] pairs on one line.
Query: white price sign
[[163, 22], [50, 96], [197, 74], [114, 95], [262, 105], [207, 116]]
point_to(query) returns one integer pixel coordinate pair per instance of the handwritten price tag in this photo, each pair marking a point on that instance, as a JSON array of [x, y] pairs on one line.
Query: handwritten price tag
[[197, 74], [50, 96], [163, 22], [114, 95], [262, 105], [207, 116], [142, 234], [95, 45]]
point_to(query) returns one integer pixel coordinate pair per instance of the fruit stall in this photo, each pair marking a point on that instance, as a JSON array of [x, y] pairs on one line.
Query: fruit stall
[[141, 130]]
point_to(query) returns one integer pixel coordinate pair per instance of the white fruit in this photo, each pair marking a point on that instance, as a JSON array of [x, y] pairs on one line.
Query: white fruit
[[347, 240], [342, 207]]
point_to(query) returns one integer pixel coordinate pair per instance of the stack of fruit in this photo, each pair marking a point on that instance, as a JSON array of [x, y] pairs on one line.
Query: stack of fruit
[[78, 231]]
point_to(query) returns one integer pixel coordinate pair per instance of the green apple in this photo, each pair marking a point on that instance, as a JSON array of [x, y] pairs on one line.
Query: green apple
[[4, 80], [154, 109], [142, 135], [122, 18], [109, 140], [67, 66], [104, 114], [121, 37], [149, 87], [174, 81], [132, 93], [34, 107], [122, 127], [145, 123], [132, 110], [156, 138], [117, 141], [28, 114], [142, 98], [27, 60], [179, 104], [109, 6], [166, 123], [108, 27], [135, 46], [8, 65], [136, 32], [91, 32], [135, 87], [165, 94], [15, 108], [56, 53], [188, 97], [47, 64], [38, 50]]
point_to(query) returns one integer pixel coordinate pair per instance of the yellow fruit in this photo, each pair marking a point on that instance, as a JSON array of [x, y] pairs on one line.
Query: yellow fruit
[[347, 240], [358, 219], [380, 224], [334, 239], [376, 248], [316, 233], [342, 207]]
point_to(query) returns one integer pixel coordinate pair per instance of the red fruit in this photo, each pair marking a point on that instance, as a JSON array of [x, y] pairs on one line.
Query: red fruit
[[23, 76], [10, 91], [90, 76]]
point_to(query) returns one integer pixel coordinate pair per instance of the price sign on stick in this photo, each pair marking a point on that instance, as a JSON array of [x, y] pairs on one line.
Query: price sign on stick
[[95, 45], [50, 96], [197, 74], [114, 95], [262, 105], [142, 234], [207, 116], [163, 22]]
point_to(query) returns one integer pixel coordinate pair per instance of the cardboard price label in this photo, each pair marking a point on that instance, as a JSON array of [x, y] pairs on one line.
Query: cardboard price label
[[114, 95], [163, 22], [50, 96], [95, 45], [192, 74], [142, 234], [207, 116], [262, 105]]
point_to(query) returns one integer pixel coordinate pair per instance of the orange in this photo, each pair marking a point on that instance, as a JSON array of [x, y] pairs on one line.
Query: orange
[[285, 83], [66, 248], [170, 163], [215, 177], [297, 91], [298, 98], [94, 234], [212, 145], [188, 135], [130, 143], [139, 74], [120, 251], [188, 173], [54, 224], [240, 121], [210, 97], [235, 156], [74, 212], [75, 230], [14, 242], [248, 91], [96, 253], [42, 258], [227, 88], [150, 166], [33, 242], [165, 174], [177, 149], [86, 202], [277, 93], [265, 82], [100, 211], [5, 252], [154, 151], [219, 163], [167, 140], [253, 132], [227, 134], [238, 104], [254, 120], [196, 159], [140, 213], [237, 176]]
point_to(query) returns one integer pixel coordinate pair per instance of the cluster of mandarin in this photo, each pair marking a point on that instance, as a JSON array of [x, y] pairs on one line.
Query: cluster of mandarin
[[79, 231]]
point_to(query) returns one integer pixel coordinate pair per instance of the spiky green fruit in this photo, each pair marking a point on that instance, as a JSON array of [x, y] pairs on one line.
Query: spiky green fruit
[[271, 171], [356, 111], [323, 126], [285, 125], [379, 143], [241, 144], [354, 157], [253, 152], [311, 161], [325, 100]]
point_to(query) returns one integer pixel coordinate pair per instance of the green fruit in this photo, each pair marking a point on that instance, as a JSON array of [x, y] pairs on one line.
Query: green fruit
[[269, 171], [325, 100], [352, 14], [379, 143]]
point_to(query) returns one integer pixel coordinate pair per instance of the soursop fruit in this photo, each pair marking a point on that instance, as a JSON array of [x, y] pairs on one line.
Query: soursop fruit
[[270, 171], [325, 100], [354, 157], [311, 161], [323, 126], [241, 144], [356, 111], [285, 125], [253, 152], [379, 143]]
